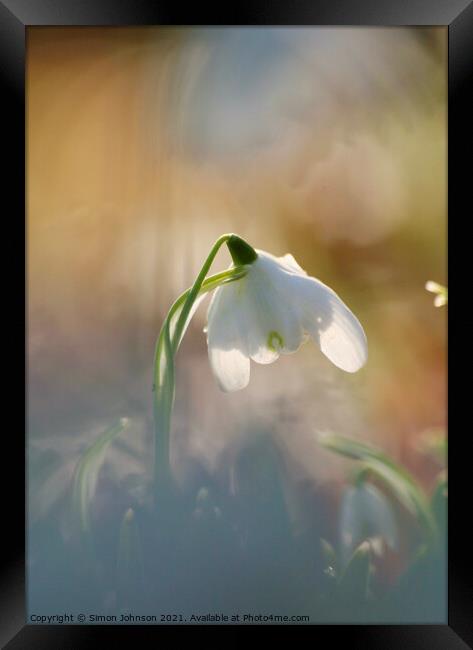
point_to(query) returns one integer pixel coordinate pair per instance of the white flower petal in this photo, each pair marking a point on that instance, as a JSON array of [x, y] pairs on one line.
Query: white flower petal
[[260, 323], [331, 324], [230, 367], [272, 328], [227, 347], [270, 312], [290, 264], [365, 514]]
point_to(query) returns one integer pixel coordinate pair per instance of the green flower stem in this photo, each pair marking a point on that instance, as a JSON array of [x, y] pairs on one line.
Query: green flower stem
[[194, 291], [167, 345], [209, 284]]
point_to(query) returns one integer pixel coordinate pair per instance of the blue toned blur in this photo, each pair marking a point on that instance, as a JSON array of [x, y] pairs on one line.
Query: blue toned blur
[[312, 492]]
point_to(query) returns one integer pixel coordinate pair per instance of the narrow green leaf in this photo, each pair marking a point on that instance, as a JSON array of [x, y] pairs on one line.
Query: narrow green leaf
[[395, 478], [408, 493], [87, 472]]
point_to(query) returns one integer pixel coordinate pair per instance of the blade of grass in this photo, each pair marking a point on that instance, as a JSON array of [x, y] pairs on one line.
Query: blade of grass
[[87, 472]]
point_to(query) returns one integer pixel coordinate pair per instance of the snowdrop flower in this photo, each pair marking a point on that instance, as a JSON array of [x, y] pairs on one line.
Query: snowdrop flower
[[263, 306], [441, 297], [366, 514], [271, 311]]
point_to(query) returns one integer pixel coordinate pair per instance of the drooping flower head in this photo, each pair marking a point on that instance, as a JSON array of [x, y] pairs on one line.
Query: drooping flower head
[[366, 514], [441, 293], [271, 311]]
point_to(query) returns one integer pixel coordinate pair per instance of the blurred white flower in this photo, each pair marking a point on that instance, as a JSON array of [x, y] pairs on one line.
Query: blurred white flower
[[366, 514], [441, 298], [270, 312]]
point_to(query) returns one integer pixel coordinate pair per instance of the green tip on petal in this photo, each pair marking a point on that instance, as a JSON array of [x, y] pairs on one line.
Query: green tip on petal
[[275, 341], [241, 252]]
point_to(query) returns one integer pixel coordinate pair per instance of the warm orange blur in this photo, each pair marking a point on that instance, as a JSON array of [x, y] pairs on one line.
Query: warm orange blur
[[146, 144]]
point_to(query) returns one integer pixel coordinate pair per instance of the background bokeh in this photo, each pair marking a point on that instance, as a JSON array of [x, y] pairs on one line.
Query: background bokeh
[[146, 144]]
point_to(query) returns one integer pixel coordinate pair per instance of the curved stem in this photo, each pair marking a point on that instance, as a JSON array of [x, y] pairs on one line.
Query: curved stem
[[166, 347], [194, 292], [209, 284]]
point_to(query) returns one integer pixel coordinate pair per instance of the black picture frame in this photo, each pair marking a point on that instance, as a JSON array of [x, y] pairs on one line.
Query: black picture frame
[[15, 17]]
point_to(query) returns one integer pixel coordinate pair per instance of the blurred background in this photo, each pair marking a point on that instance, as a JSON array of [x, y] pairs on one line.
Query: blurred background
[[146, 144]]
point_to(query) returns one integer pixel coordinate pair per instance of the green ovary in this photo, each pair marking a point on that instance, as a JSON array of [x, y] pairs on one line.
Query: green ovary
[[275, 341]]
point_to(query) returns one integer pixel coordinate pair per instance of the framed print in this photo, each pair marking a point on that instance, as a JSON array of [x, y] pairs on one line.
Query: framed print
[[232, 237]]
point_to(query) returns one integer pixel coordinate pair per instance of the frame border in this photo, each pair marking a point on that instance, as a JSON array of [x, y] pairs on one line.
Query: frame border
[[15, 17]]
